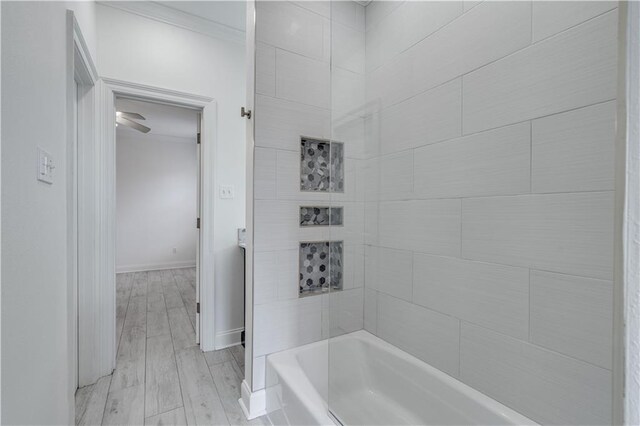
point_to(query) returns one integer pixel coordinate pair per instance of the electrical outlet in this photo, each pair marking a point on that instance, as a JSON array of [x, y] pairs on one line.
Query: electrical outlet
[[227, 191]]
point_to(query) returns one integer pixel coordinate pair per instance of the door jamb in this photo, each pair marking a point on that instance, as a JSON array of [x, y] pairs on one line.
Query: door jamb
[[208, 107], [81, 70]]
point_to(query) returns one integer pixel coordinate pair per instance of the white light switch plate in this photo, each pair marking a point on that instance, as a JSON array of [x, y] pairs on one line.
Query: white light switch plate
[[45, 166], [227, 191]]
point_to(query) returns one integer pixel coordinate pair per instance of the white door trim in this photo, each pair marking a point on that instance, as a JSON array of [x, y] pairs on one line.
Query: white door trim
[[208, 146], [81, 255], [252, 400]]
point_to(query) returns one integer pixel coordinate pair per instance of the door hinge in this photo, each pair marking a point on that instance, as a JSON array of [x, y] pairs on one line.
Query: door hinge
[[198, 308], [245, 113], [198, 223], [198, 138]]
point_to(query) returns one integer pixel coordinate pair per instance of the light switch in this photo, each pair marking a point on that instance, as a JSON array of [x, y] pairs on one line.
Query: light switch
[[227, 191], [45, 166]]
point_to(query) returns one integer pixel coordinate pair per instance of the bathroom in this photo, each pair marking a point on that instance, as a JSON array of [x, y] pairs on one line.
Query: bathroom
[[394, 212]]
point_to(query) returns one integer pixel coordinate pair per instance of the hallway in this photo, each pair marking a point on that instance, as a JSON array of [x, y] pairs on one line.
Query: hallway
[[161, 376]]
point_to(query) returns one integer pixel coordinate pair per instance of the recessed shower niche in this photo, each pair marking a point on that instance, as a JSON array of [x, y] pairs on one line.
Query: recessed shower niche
[[320, 216], [321, 165], [320, 267]]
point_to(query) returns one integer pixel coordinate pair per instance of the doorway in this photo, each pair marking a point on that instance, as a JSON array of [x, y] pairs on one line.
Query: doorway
[[157, 214]]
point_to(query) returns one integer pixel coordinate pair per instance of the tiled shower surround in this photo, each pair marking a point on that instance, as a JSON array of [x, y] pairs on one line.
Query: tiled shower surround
[[480, 189], [320, 267]]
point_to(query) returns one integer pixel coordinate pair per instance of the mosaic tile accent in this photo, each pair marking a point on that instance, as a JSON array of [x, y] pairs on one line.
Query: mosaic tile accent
[[321, 166], [320, 216], [336, 183], [320, 267]]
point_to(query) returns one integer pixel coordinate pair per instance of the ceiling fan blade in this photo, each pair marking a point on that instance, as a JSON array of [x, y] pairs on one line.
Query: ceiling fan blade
[[130, 115], [132, 124]]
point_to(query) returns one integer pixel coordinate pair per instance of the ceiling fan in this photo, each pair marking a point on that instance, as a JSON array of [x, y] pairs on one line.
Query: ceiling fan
[[126, 119]]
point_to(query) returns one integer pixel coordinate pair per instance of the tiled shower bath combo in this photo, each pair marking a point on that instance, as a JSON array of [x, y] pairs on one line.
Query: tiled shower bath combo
[[321, 170], [477, 187]]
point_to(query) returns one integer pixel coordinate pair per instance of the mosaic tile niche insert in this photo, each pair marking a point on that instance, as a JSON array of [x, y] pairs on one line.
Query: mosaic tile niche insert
[[320, 267], [320, 216], [321, 166]]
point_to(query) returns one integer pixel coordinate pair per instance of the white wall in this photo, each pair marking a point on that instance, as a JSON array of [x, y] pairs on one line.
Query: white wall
[[493, 193], [156, 200], [35, 341], [146, 51]]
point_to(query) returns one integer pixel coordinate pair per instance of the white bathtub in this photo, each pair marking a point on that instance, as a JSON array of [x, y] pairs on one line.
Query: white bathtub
[[372, 383]]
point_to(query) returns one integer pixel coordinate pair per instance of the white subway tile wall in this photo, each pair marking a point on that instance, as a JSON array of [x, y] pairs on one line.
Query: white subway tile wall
[[300, 88], [478, 204]]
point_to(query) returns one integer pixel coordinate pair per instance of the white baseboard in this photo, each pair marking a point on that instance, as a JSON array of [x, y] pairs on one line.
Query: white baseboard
[[253, 404], [229, 338], [156, 266]]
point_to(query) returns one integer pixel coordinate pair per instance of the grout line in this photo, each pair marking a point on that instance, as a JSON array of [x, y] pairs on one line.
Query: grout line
[[459, 347], [568, 28], [530, 156], [539, 347], [529, 300], [531, 24]]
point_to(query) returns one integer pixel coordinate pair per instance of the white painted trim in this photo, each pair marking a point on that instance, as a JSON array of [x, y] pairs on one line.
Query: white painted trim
[[249, 221], [178, 18], [156, 266], [229, 338], [208, 147], [85, 300], [0, 217], [626, 351], [253, 404]]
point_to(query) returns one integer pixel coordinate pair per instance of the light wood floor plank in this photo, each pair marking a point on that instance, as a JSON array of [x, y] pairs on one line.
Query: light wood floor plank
[[94, 408], [130, 362], [202, 404], [125, 407], [162, 386], [182, 331], [238, 354], [158, 323], [228, 385], [162, 377], [187, 293], [124, 283], [155, 300], [217, 357], [170, 418], [239, 371], [172, 296], [140, 282], [82, 400], [136, 313]]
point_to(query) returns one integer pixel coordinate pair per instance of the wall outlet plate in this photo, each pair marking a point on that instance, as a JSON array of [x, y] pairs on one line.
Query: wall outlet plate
[[227, 191], [45, 166]]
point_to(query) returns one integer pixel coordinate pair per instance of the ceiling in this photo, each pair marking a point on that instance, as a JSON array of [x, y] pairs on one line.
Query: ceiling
[[164, 120], [229, 13]]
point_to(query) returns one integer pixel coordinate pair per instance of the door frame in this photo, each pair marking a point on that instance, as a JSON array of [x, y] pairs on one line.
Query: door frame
[[81, 80], [112, 88]]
